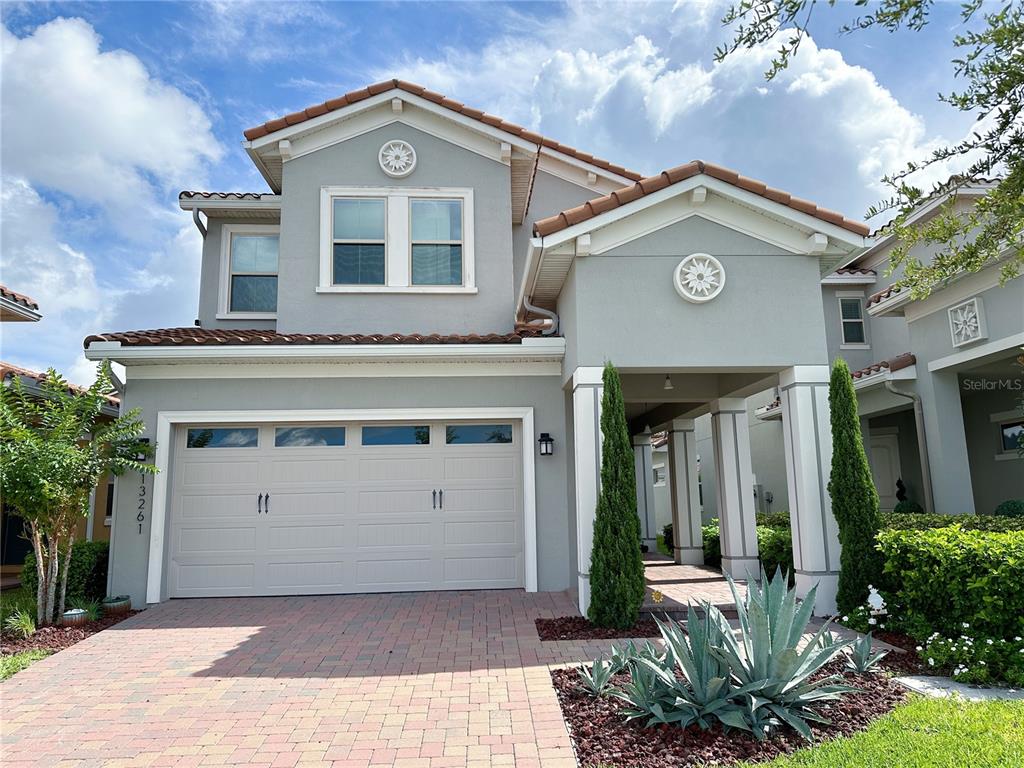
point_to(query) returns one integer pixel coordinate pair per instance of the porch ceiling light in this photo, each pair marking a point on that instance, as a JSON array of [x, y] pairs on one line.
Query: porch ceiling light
[[546, 443], [668, 383]]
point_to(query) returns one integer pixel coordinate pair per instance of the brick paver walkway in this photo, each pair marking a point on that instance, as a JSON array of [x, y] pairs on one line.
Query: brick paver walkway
[[429, 679]]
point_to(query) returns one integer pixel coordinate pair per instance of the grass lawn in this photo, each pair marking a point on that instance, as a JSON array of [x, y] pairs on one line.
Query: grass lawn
[[13, 599], [9, 665], [927, 733]]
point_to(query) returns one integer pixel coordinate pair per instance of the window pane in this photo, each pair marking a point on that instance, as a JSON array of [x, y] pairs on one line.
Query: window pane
[[305, 437], [358, 264], [358, 219], [398, 435], [466, 434], [254, 253], [853, 332], [253, 293], [227, 437], [1012, 436], [436, 219], [437, 265], [850, 309]]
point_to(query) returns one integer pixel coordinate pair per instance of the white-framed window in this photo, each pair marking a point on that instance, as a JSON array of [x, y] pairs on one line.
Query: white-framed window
[[1010, 426], [248, 271], [660, 477], [396, 240], [851, 319]]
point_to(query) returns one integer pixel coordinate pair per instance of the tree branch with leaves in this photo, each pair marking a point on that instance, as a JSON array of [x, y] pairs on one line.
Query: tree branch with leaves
[[991, 66], [55, 444]]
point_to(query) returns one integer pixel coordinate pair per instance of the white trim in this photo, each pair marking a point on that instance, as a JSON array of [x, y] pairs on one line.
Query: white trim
[[991, 348], [343, 370], [835, 279], [166, 420], [398, 239], [804, 374], [14, 308], [890, 303], [542, 349], [996, 418], [903, 374], [227, 231], [266, 203]]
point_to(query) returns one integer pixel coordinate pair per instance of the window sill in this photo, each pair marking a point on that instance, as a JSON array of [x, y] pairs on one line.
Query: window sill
[[406, 289], [1009, 457], [246, 316], [855, 346], [108, 522]]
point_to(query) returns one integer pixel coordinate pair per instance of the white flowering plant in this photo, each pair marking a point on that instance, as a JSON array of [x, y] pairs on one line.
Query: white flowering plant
[[977, 660]]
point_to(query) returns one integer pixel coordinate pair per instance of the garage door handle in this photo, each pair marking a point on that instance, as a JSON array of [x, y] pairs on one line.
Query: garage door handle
[[266, 504], [440, 497], [259, 504], [435, 498]]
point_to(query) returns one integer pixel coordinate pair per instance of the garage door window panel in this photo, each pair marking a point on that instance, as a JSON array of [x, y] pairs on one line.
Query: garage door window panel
[[309, 437], [397, 435], [222, 437], [478, 434]]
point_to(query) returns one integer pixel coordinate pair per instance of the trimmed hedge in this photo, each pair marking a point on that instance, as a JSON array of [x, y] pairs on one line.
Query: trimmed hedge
[[87, 579], [919, 522], [774, 544], [949, 577], [1011, 508]]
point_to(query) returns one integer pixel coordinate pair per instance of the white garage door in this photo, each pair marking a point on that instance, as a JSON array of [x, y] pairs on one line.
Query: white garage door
[[340, 508]]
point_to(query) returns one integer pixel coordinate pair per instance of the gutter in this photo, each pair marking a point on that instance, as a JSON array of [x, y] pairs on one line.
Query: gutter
[[922, 446], [199, 222], [533, 256]]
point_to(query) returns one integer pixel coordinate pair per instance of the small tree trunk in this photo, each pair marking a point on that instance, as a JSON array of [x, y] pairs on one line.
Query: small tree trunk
[[37, 547], [51, 582], [64, 579]]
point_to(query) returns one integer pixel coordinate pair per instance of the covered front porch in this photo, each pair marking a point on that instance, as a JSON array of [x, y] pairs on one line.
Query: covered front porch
[[670, 400]]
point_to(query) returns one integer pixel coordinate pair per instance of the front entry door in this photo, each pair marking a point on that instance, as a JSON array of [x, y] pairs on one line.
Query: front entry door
[[885, 468]]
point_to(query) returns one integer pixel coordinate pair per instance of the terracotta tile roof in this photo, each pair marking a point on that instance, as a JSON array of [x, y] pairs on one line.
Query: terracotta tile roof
[[773, 405], [659, 439], [882, 295], [9, 371], [18, 298], [194, 195], [353, 97], [892, 364], [664, 179], [192, 337], [855, 271]]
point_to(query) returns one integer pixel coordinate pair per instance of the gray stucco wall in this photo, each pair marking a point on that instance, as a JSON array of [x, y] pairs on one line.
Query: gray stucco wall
[[767, 457], [209, 277], [886, 336], [994, 480], [130, 547], [627, 311], [354, 163]]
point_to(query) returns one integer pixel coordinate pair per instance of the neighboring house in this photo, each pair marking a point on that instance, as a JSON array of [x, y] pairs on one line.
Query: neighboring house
[[939, 382], [94, 527], [394, 382]]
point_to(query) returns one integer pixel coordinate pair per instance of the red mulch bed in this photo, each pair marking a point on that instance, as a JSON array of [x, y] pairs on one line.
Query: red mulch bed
[[57, 638], [601, 737], [578, 628]]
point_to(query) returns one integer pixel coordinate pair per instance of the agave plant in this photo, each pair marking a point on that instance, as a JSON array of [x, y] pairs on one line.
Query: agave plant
[[773, 673], [859, 658], [597, 678]]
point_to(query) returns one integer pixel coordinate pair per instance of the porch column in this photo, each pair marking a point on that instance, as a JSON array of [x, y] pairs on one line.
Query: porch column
[[645, 490], [734, 481], [807, 442], [587, 389], [688, 547], [946, 438]]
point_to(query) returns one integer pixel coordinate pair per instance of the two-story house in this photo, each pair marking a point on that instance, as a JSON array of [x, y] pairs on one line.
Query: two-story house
[[394, 382]]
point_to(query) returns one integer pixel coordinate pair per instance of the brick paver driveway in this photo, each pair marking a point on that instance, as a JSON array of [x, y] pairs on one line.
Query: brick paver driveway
[[427, 679]]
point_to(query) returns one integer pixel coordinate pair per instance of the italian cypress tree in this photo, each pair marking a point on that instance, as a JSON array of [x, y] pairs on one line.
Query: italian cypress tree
[[616, 566], [854, 498]]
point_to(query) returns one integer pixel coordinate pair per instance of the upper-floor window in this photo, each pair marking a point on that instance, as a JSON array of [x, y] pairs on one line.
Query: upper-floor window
[[249, 257], [851, 314], [396, 240]]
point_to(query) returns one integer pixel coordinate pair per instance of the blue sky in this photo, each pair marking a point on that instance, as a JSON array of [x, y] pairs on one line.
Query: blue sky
[[109, 109]]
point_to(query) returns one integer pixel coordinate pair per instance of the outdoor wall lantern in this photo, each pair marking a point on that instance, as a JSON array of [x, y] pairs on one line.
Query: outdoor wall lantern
[[547, 444]]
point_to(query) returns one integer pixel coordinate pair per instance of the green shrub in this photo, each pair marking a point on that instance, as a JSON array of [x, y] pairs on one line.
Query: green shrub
[[976, 660], [948, 577], [21, 623], [773, 519], [775, 546], [14, 600], [669, 533], [617, 585], [853, 494], [87, 578], [908, 507], [1011, 508], [712, 544], [993, 523]]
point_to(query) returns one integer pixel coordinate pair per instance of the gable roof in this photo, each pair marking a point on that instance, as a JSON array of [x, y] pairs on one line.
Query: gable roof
[[646, 186], [361, 94]]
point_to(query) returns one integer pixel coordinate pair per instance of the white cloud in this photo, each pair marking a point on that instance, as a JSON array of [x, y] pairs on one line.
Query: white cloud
[[94, 148], [95, 125]]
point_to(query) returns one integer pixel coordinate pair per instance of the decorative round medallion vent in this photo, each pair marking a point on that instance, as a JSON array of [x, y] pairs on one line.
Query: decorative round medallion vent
[[397, 158], [699, 277]]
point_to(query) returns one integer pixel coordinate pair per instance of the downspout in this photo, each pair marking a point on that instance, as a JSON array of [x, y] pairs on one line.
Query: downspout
[[199, 222], [553, 316], [922, 446]]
